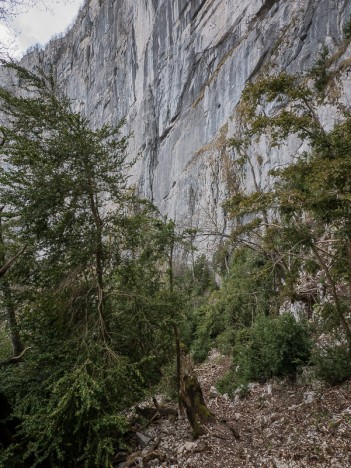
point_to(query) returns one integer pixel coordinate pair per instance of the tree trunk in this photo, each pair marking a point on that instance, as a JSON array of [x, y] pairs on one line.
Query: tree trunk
[[99, 261], [175, 329], [192, 397], [9, 305], [178, 357], [17, 345], [332, 285]]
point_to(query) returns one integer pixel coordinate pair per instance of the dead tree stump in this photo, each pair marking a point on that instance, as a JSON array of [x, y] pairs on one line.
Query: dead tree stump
[[192, 397]]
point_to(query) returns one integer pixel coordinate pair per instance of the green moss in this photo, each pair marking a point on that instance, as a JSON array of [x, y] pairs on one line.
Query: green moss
[[197, 430], [202, 410]]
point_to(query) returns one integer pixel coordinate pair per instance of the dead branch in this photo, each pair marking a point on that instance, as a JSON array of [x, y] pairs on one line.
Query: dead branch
[[15, 359], [10, 262]]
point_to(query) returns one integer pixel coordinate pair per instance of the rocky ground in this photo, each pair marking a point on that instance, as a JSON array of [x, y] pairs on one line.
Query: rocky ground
[[280, 424]]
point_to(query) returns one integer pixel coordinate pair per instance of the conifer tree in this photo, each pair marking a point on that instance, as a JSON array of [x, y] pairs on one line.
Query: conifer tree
[[88, 295], [309, 201]]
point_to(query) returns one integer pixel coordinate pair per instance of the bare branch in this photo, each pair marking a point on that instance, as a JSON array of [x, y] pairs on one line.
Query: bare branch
[[15, 359], [9, 263]]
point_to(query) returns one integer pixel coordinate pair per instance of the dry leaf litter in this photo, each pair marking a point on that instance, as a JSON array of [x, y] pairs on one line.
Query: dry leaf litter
[[280, 424]]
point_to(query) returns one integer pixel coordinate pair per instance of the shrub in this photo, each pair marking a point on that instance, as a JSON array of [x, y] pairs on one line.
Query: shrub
[[319, 71], [207, 325], [200, 348], [247, 292], [224, 341], [332, 364], [228, 383], [69, 399], [347, 29], [271, 347]]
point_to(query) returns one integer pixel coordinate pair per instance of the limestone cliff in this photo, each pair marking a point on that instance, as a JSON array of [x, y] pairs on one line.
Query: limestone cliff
[[176, 69]]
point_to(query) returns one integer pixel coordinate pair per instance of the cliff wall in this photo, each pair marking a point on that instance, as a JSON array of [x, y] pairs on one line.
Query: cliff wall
[[175, 69]]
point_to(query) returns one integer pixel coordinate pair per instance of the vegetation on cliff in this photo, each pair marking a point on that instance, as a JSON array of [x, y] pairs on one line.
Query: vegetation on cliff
[[292, 237]]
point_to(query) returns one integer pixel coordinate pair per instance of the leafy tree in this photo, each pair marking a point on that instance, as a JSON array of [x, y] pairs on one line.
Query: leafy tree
[[309, 202], [92, 303], [79, 181]]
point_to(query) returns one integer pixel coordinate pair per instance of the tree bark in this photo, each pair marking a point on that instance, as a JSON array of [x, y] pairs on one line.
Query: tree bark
[[17, 346], [332, 285], [178, 360], [98, 260], [192, 397]]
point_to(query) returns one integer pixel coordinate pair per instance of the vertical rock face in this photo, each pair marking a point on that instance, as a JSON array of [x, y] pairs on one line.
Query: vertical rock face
[[175, 70]]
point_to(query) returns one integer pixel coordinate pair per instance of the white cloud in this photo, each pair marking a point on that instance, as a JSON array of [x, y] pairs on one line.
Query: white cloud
[[38, 24]]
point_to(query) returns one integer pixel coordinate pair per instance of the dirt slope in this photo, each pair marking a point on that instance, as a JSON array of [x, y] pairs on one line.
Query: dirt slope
[[279, 424]]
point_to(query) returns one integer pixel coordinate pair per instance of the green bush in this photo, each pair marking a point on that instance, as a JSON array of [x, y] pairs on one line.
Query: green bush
[[69, 406], [228, 383], [207, 325], [347, 29], [271, 347], [319, 71], [332, 364], [247, 291], [224, 342], [200, 348]]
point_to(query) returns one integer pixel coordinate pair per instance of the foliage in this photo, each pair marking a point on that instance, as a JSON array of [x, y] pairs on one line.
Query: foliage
[[319, 71], [301, 220], [72, 411], [92, 303], [5, 345], [247, 291], [271, 347], [196, 280], [332, 363], [347, 29], [206, 326], [228, 383], [77, 385], [193, 284]]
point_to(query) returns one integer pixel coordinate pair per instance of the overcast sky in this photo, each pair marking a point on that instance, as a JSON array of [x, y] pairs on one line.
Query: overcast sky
[[38, 24]]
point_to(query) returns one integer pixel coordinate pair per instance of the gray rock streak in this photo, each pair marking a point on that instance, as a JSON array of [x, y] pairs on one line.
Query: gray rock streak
[[175, 70]]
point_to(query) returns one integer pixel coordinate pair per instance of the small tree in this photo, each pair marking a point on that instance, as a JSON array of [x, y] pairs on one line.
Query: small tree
[[66, 184], [312, 195], [91, 301]]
